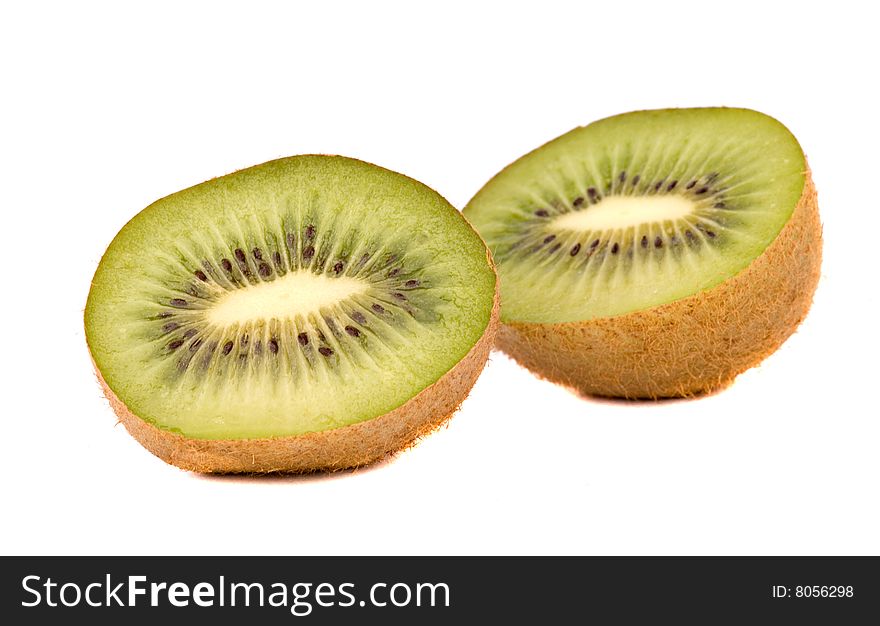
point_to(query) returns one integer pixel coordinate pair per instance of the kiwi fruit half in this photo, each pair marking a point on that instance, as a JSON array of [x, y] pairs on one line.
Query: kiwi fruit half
[[653, 254], [310, 313]]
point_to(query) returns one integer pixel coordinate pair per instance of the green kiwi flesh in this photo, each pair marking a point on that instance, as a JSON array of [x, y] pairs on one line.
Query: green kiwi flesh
[[636, 211], [303, 295]]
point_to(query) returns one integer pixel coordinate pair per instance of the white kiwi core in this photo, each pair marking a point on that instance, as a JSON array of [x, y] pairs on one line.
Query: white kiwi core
[[619, 212], [298, 293]]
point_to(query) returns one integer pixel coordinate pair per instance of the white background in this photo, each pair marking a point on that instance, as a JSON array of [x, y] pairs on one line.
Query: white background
[[106, 108]]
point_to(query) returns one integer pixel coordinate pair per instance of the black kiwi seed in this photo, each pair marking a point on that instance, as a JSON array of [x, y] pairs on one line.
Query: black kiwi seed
[[542, 213], [276, 259], [273, 345], [719, 205], [671, 185], [258, 254], [164, 314], [226, 264], [359, 317], [595, 244], [241, 258], [412, 283], [227, 348], [577, 201], [265, 270], [710, 234], [593, 194], [615, 248], [658, 242], [192, 332], [291, 240], [575, 249], [657, 185], [622, 177], [351, 330], [399, 296], [689, 235], [644, 241], [308, 253], [549, 238], [170, 326], [378, 308], [691, 184], [201, 275], [337, 269], [178, 302], [555, 247], [324, 350], [635, 180], [174, 345], [303, 339], [702, 190], [310, 232], [394, 272]]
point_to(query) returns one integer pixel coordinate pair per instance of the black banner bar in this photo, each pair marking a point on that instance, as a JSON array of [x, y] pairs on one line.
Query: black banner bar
[[435, 590]]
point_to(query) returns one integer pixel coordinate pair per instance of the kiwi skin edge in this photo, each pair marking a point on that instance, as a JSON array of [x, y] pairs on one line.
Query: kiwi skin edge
[[688, 347], [340, 448]]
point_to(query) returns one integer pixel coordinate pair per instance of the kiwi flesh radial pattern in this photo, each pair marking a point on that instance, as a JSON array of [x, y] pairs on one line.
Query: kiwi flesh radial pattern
[[655, 253], [309, 313]]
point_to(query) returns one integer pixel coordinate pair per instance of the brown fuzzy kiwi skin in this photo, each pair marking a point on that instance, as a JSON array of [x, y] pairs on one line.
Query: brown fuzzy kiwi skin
[[691, 346], [330, 450]]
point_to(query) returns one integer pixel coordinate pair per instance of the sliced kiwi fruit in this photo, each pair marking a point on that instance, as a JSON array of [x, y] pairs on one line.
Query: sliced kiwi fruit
[[653, 254], [310, 313]]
